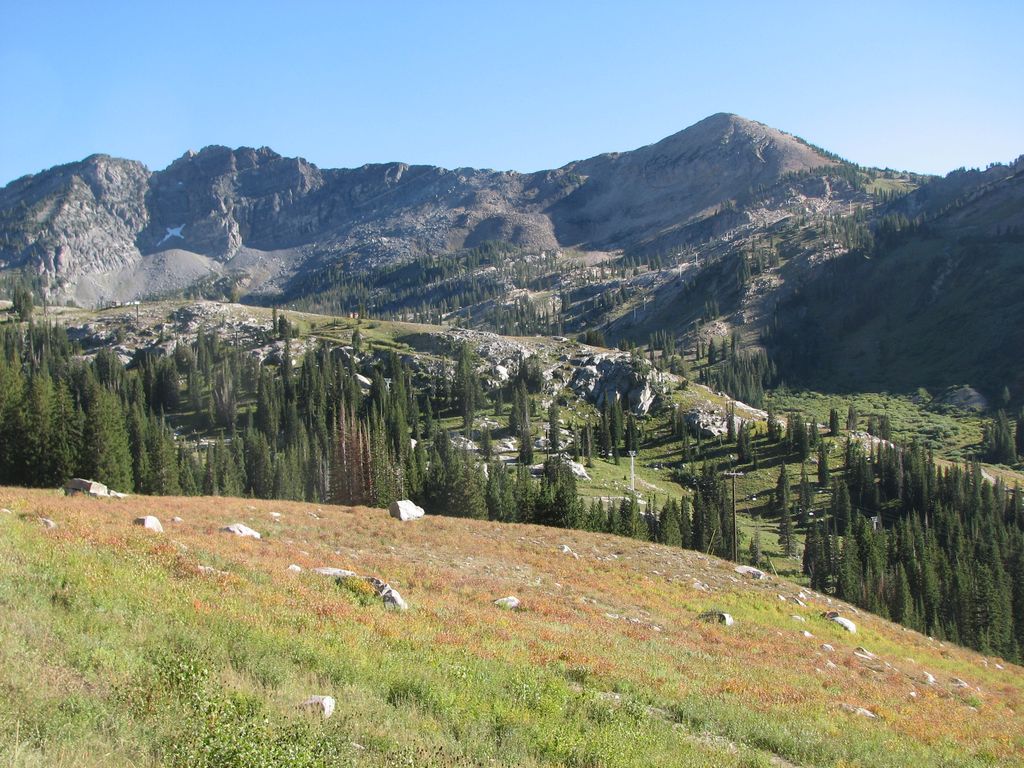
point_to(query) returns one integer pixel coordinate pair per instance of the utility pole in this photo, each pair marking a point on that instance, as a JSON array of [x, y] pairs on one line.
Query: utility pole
[[735, 534], [632, 473]]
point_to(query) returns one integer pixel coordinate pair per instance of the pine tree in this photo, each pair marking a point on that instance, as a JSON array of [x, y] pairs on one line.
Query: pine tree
[[605, 431], [840, 508], [554, 428], [755, 555], [685, 524], [107, 454], [805, 498], [669, 524], [823, 464], [699, 528], [630, 522], [833, 422], [787, 540], [774, 427]]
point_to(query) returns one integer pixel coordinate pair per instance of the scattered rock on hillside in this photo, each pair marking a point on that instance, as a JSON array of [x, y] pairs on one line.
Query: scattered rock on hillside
[[335, 573], [929, 678], [47, 522], [577, 469], [509, 603], [858, 711], [295, 568], [150, 523], [320, 705], [209, 570], [842, 621], [708, 420], [958, 683], [177, 519], [241, 529], [719, 617], [751, 571], [392, 600], [863, 653], [565, 550], [405, 510], [78, 485], [5, 511]]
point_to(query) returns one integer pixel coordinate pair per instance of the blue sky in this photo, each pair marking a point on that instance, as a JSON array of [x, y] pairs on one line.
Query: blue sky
[[524, 86]]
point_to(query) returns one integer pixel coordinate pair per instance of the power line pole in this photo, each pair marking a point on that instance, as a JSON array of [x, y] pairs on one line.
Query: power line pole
[[632, 473], [735, 535]]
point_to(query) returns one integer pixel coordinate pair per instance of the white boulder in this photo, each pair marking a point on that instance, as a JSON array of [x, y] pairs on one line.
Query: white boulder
[[510, 603], [845, 623], [320, 705], [150, 523], [335, 573], [405, 510], [577, 469], [751, 571], [241, 529]]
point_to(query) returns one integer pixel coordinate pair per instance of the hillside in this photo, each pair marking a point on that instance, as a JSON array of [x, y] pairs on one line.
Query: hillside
[[933, 299], [117, 649]]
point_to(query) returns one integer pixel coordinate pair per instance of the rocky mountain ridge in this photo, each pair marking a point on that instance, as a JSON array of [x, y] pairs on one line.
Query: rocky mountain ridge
[[106, 229]]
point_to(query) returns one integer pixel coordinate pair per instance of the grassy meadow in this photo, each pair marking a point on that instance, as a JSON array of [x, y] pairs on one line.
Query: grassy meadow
[[116, 650]]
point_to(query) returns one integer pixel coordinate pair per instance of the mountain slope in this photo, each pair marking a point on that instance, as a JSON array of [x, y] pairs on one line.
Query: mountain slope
[[934, 301], [627, 197], [117, 650], [89, 229]]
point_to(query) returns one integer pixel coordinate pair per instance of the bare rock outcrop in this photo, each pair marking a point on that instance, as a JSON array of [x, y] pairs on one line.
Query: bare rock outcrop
[[608, 377]]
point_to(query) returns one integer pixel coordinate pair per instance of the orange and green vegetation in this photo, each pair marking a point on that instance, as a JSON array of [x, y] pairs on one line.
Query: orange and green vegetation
[[116, 649]]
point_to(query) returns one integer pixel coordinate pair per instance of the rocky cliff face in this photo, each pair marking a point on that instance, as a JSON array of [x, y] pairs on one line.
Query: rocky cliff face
[[74, 219], [106, 222]]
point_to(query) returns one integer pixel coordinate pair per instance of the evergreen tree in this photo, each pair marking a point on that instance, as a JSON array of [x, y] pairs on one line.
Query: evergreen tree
[[669, 524], [833, 422], [554, 428], [840, 508], [107, 454], [787, 540], [630, 523], [755, 554], [823, 475]]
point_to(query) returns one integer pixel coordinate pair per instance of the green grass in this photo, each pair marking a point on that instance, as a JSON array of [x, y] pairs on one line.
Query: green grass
[[114, 651]]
